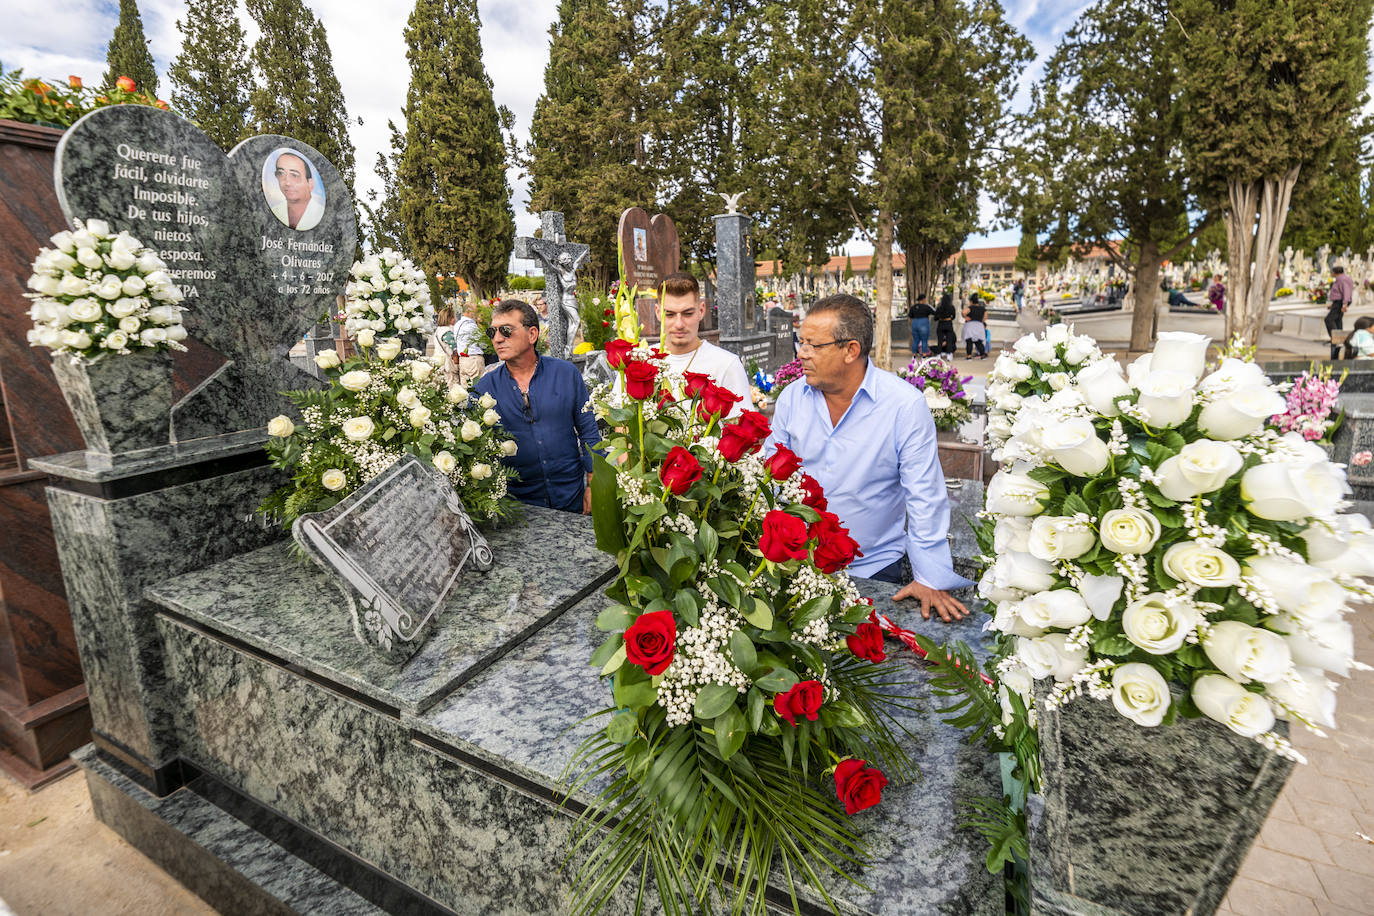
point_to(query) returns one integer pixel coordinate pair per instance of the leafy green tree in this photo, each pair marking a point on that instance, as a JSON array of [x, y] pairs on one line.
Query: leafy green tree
[[587, 154], [454, 200], [1337, 206], [1099, 162], [297, 93], [210, 77], [127, 54], [1271, 88]]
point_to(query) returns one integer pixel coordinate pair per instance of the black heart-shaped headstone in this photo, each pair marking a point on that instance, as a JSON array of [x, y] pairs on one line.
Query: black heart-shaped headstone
[[253, 283]]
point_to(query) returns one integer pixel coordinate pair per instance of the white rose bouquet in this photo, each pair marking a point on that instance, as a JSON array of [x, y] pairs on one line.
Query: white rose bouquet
[[374, 412], [386, 296], [1155, 544], [1038, 368], [97, 292]]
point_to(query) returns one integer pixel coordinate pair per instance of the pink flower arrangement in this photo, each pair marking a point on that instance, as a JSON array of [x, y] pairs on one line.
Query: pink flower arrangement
[[1311, 401], [787, 374], [1361, 459]]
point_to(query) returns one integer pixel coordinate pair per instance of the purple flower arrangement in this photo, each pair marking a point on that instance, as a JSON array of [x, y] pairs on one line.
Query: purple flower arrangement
[[943, 386]]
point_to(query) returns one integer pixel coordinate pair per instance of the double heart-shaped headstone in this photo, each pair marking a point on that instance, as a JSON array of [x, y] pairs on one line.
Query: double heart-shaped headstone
[[253, 284], [650, 251]]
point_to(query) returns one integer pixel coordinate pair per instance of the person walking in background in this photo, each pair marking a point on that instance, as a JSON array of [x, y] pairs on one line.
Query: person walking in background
[[944, 324], [920, 314], [1339, 296], [1018, 293], [1216, 294], [975, 332]]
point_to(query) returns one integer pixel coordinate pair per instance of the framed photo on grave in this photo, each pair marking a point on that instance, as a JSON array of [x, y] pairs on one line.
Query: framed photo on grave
[[650, 250], [397, 546]]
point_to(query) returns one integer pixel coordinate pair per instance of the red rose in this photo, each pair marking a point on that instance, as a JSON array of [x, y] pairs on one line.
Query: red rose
[[803, 699], [858, 785], [126, 84], [608, 312], [718, 400], [835, 549], [815, 496], [680, 470], [734, 444], [783, 537], [640, 379], [605, 324], [616, 352], [650, 640], [867, 642], [665, 397], [783, 463], [754, 423], [697, 382]]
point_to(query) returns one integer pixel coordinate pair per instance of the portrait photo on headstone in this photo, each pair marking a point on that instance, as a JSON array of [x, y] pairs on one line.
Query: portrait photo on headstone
[[293, 189], [641, 244]]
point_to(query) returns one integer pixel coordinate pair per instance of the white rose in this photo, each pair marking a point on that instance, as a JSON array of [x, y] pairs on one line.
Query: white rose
[[1048, 655], [77, 340], [1326, 644], [379, 326], [389, 349], [1241, 413], [445, 462], [158, 278], [1247, 653], [1140, 693], [133, 286], [1075, 446], [1040, 351], [1057, 334], [280, 427], [989, 591], [166, 293], [62, 241], [49, 337], [420, 370], [1157, 626], [356, 380], [175, 331], [1065, 401], [1011, 532], [481, 471], [1287, 492], [1129, 530], [1201, 565], [1016, 494], [419, 416], [470, 430], [402, 323], [358, 429], [46, 286], [1347, 547], [148, 262], [164, 315], [130, 325], [1200, 467], [89, 258], [98, 228], [1307, 593], [152, 336], [116, 340], [328, 359], [1007, 619], [367, 337], [333, 479], [458, 395], [998, 426], [1060, 537], [1181, 351], [486, 402], [1023, 572], [84, 238], [109, 287], [1306, 694], [121, 259], [1101, 592], [407, 397], [937, 399], [491, 417], [74, 286], [1061, 607], [1078, 349], [123, 308], [1234, 374], [1222, 699], [1058, 381], [1011, 369], [1166, 398], [85, 310], [508, 447]]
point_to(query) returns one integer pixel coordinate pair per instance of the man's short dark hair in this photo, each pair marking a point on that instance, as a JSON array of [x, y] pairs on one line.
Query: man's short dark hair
[[1337, 269], [681, 283], [528, 316], [920, 297], [853, 320]]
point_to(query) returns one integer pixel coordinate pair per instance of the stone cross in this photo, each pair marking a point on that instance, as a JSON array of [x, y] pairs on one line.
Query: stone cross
[[560, 259]]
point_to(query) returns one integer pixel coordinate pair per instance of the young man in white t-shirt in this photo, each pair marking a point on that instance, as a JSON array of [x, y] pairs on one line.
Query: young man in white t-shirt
[[687, 352]]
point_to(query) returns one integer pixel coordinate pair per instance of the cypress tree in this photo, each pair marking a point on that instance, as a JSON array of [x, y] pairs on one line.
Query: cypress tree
[[382, 226], [586, 155], [297, 93], [210, 77], [454, 200], [128, 53]]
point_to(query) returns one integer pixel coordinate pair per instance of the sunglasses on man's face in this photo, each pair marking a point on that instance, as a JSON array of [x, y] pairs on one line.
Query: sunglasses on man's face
[[504, 330]]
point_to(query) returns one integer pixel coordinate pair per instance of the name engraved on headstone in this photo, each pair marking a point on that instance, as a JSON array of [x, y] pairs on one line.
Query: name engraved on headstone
[[397, 546]]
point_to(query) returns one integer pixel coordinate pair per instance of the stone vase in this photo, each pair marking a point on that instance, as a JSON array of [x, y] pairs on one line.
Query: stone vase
[[1144, 821], [121, 403]]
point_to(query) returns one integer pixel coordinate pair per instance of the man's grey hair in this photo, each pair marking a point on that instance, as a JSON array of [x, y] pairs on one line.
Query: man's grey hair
[[853, 320]]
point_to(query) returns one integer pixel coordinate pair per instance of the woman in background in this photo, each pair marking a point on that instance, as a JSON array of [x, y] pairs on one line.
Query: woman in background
[[1360, 344], [944, 324]]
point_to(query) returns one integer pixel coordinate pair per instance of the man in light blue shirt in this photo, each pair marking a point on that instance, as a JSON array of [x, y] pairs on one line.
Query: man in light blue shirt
[[868, 438]]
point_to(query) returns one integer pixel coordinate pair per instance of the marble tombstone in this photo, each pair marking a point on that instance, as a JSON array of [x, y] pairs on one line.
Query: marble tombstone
[[649, 251]]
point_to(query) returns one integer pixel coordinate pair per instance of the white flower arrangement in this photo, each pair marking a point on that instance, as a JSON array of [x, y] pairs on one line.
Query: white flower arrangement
[[97, 292], [386, 296], [1034, 371], [1153, 531]]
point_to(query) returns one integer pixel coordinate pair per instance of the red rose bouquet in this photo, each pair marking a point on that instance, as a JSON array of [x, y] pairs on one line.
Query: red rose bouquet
[[751, 693]]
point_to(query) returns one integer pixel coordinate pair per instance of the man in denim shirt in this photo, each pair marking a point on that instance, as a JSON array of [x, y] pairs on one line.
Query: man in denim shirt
[[540, 400]]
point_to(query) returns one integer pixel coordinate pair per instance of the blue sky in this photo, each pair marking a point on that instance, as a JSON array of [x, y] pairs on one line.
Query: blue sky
[[69, 36]]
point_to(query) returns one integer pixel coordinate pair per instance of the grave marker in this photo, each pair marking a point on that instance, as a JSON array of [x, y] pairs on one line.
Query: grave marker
[[650, 251], [560, 260]]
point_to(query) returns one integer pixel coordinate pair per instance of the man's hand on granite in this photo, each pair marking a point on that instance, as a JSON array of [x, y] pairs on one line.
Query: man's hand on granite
[[945, 604]]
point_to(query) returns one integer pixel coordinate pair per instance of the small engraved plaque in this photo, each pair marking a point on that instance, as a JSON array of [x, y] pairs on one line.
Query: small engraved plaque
[[396, 546]]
